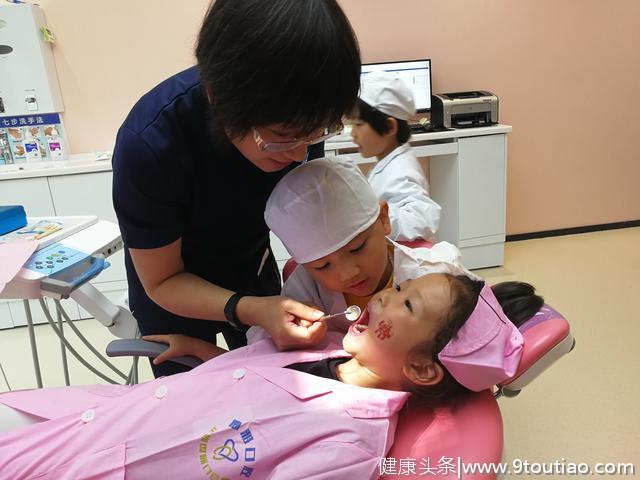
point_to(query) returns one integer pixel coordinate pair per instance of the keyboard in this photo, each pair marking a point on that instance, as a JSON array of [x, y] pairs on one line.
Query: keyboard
[[427, 128]]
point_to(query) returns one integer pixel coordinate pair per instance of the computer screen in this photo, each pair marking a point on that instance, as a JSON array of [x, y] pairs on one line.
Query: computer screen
[[417, 74]]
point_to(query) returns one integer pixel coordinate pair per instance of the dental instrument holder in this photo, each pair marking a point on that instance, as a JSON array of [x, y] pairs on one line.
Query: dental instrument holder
[[117, 319]]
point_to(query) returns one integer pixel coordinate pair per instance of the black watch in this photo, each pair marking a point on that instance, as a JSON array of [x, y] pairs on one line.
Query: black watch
[[230, 311]]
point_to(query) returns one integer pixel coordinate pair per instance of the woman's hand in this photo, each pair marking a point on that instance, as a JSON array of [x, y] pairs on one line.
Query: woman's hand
[[181, 345], [290, 323]]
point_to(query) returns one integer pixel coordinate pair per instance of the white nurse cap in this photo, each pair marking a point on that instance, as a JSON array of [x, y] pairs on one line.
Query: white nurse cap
[[320, 206], [388, 94]]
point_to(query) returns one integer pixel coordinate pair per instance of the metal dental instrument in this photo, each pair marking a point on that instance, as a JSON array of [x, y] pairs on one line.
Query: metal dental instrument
[[352, 313]]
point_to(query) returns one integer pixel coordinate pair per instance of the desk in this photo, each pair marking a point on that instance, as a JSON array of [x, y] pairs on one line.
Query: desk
[[467, 176]]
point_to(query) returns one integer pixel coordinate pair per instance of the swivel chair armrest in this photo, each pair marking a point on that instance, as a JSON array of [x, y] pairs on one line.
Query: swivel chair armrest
[[131, 347]]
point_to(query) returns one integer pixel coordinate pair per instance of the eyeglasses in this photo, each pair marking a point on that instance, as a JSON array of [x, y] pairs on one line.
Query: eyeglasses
[[273, 147]]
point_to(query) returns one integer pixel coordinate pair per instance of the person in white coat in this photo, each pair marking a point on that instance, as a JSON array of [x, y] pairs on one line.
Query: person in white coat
[[380, 130]]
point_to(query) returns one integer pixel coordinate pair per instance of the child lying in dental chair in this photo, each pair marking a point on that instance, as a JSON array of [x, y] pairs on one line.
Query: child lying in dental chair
[[259, 413]]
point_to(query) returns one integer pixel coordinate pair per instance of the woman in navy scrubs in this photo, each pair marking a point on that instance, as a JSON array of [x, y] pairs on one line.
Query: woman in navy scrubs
[[198, 156]]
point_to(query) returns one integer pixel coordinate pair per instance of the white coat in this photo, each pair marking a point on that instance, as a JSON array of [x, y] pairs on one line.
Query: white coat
[[399, 180]]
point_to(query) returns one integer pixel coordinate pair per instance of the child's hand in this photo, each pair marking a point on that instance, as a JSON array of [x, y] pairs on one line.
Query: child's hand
[[180, 345]]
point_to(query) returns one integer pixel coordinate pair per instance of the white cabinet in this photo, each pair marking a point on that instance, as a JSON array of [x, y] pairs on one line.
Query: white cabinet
[[32, 193], [82, 194], [482, 186], [471, 188]]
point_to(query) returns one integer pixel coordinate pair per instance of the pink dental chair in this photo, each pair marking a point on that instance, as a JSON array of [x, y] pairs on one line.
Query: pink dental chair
[[431, 441]]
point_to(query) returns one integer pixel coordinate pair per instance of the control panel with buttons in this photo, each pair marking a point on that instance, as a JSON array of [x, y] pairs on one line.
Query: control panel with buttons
[[54, 258]]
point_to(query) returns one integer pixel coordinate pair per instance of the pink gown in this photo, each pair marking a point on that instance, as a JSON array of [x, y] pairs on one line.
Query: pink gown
[[238, 416]]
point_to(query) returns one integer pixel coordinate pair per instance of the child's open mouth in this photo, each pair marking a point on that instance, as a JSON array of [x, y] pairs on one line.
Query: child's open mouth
[[362, 324]]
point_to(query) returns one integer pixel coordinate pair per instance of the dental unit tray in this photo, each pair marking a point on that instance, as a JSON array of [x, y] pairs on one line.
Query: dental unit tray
[[71, 276]]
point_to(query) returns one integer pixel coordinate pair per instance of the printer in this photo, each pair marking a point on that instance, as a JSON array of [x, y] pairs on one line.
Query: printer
[[464, 109]]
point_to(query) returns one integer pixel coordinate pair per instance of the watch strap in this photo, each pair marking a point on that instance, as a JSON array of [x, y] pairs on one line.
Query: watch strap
[[230, 311]]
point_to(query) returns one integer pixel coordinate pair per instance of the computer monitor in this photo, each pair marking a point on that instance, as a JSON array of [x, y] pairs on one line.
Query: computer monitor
[[417, 74]]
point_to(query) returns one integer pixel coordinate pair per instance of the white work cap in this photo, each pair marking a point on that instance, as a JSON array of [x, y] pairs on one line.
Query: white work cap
[[320, 206], [388, 94]]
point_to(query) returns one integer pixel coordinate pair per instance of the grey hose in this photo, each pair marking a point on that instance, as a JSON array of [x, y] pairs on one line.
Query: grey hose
[[73, 351], [86, 342]]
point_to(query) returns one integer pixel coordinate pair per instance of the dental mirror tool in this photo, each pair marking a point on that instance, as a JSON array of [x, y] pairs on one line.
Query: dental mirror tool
[[352, 313]]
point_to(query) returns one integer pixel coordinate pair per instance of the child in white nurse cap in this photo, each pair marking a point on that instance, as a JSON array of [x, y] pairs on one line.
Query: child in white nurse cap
[[380, 129], [306, 211], [388, 94]]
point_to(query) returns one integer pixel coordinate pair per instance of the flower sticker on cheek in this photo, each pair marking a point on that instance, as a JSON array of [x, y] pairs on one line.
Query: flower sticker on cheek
[[383, 332]]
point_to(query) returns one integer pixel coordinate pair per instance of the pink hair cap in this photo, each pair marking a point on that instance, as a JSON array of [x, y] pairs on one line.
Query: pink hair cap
[[487, 349]]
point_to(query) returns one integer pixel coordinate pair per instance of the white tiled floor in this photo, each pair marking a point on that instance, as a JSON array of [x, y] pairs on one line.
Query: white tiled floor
[[584, 409]]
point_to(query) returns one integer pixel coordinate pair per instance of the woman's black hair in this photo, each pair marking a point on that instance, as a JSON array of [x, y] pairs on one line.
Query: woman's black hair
[[290, 62], [380, 121], [518, 301]]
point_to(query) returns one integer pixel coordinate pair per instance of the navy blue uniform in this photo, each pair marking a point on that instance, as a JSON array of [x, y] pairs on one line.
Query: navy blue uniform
[[171, 181]]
